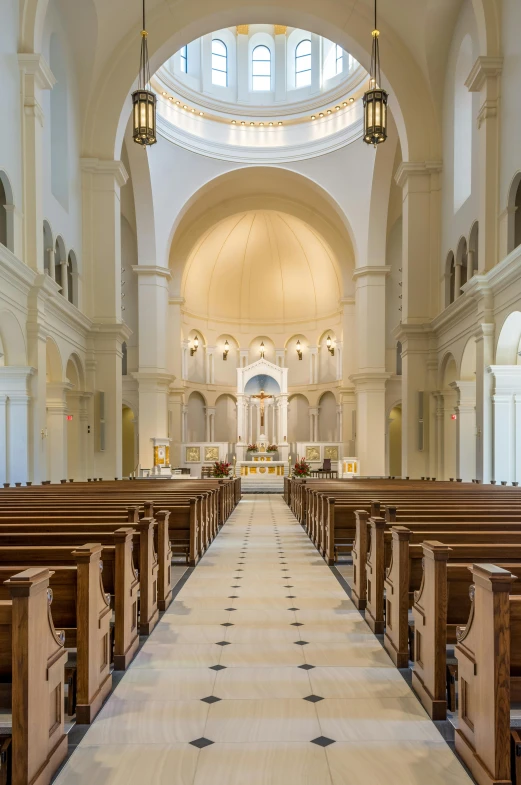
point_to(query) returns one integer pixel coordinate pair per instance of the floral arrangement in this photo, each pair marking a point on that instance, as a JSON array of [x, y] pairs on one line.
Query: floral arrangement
[[301, 468], [272, 448], [221, 469], [252, 448]]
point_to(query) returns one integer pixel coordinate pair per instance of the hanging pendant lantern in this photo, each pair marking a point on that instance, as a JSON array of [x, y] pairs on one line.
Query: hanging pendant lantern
[[375, 99], [143, 99]]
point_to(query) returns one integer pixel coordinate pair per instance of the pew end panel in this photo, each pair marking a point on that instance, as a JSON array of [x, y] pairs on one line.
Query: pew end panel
[[396, 584], [430, 631], [39, 744], [483, 655], [359, 592]]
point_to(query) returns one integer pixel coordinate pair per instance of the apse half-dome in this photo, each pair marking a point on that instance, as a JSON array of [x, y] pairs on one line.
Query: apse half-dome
[[261, 266]]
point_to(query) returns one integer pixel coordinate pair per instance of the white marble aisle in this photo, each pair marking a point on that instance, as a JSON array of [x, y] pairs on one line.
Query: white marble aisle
[[262, 672]]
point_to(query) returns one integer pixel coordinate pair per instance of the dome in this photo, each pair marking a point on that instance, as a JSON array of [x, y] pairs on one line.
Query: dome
[[261, 265], [260, 91]]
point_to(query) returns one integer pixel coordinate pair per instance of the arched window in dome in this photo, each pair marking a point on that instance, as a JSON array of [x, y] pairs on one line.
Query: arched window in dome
[[219, 63], [339, 59], [261, 68], [183, 59], [303, 63]]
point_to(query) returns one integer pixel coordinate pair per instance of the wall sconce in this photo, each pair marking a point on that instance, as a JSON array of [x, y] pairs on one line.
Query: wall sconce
[[195, 346], [262, 350], [226, 350], [330, 348], [299, 350]]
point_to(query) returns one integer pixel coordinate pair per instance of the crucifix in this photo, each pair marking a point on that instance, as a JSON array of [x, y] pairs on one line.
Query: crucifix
[[262, 397]]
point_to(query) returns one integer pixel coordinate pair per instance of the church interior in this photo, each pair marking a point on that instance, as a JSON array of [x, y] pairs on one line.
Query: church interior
[[260, 332]]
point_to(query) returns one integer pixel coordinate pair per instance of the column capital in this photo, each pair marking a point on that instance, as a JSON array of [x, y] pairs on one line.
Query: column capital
[[368, 270], [36, 66], [484, 68], [153, 270], [97, 166], [370, 381], [415, 169]]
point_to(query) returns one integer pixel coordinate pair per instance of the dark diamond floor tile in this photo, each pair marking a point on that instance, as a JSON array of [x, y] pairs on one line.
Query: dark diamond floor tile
[[306, 667], [230, 609], [288, 586], [290, 596], [301, 643], [293, 609], [294, 624], [236, 586], [227, 624], [200, 743], [213, 699], [233, 597], [322, 741], [310, 698], [222, 643]]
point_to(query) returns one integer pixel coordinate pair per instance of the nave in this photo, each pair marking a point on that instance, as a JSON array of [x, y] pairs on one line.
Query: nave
[[262, 671]]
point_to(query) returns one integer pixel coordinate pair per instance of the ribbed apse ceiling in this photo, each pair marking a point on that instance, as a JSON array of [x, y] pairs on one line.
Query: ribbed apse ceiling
[[261, 266]]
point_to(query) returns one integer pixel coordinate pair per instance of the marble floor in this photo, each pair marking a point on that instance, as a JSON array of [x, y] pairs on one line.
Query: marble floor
[[262, 672]]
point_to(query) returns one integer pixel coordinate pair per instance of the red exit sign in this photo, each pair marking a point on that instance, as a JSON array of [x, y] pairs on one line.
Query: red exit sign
[[69, 417], [454, 417]]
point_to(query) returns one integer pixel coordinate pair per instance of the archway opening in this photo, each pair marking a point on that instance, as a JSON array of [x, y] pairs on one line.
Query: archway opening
[[128, 435], [395, 441]]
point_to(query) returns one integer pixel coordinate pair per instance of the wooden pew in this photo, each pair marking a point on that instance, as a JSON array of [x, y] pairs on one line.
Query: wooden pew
[[82, 610], [119, 577], [32, 663], [489, 675], [441, 605]]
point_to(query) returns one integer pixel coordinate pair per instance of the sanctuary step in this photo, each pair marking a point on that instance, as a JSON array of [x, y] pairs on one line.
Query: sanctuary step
[[260, 485]]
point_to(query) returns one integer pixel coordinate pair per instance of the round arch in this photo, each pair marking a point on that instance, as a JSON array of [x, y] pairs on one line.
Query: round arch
[[13, 341], [509, 341]]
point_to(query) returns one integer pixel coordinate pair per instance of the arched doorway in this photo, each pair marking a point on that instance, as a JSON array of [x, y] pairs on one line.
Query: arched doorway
[[75, 420], [128, 435], [395, 441]]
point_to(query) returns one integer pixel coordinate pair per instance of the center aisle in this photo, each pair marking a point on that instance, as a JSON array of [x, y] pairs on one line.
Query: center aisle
[[262, 672]]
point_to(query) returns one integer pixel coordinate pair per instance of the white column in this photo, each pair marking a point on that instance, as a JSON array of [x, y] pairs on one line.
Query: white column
[[206, 62], [258, 422], [283, 405], [313, 364], [36, 76], [51, 257], [243, 74], [210, 367], [339, 351], [280, 355], [18, 429], [505, 400], [56, 431], [3, 438], [457, 280], [340, 426], [65, 280], [312, 413], [184, 359], [316, 63], [484, 386], [184, 415], [465, 430], [470, 264], [243, 357], [485, 78]]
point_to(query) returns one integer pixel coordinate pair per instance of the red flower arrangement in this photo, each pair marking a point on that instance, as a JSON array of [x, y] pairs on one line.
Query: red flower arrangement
[[272, 448], [301, 468], [252, 448], [221, 469]]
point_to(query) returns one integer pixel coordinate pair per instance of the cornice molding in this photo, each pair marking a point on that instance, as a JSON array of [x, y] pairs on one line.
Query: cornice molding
[[256, 154], [151, 269], [110, 330], [105, 167], [15, 272], [414, 169], [360, 272], [37, 66], [484, 68]]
